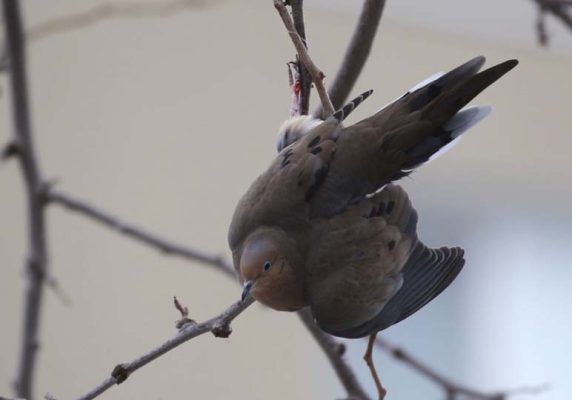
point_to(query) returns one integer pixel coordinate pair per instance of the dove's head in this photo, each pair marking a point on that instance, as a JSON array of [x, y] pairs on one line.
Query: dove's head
[[268, 270]]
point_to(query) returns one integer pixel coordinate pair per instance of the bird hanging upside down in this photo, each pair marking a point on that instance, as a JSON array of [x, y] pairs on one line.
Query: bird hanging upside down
[[323, 227]]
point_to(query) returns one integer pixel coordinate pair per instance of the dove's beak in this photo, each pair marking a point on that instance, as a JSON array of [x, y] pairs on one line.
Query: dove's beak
[[246, 289]]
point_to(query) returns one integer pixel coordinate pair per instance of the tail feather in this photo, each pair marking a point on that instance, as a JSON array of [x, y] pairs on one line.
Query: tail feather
[[440, 123], [412, 130], [461, 94], [448, 136], [423, 95], [346, 110]]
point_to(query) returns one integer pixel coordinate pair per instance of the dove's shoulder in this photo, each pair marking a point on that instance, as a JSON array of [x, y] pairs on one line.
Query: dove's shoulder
[[281, 196]]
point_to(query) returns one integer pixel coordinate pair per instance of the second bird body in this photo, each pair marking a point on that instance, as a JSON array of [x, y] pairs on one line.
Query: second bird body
[[324, 226]]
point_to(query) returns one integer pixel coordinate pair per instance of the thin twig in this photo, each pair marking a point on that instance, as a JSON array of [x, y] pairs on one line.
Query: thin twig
[[297, 7], [451, 389], [317, 75], [165, 246], [334, 351], [37, 259], [561, 9], [219, 326], [356, 54], [541, 31], [104, 11]]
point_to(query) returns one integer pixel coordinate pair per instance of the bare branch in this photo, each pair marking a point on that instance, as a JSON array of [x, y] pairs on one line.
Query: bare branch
[[541, 27], [317, 75], [328, 344], [37, 259], [136, 233], [189, 331], [60, 293], [104, 11], [305, 77], [356, 54], [451, 389], [561, 9], [334, 351]]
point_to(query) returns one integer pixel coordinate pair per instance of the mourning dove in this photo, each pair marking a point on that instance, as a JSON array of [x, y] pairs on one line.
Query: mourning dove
[[324, 226]]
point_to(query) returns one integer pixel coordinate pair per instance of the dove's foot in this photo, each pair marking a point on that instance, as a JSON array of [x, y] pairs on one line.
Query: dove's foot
[[368, 357]]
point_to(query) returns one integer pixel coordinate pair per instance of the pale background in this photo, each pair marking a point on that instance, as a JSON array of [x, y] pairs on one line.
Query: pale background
[[166, 121]]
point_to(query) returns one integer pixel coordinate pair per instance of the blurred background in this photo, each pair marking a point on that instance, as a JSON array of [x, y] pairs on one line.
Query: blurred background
[[165, 121]]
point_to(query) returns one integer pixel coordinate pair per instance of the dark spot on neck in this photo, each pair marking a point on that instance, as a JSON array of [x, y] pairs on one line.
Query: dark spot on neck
[[391, 245]]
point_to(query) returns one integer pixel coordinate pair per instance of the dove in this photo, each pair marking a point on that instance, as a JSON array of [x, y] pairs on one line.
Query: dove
[[325, 227]]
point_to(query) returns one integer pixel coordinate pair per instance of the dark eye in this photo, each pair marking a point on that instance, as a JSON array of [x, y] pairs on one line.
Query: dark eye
[[267, 265]]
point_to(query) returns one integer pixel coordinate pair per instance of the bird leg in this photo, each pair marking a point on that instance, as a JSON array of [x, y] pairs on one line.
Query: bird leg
[[368, 357]]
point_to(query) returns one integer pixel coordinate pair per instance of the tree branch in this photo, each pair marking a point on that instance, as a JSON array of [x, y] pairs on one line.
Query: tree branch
[[102, 12], [37, 260], [561, 9], [356, 54], [451, 389], [328, 344], [317, 75], [219, 326], [105, 11], [164, 246], [305, 77], [334, 351]]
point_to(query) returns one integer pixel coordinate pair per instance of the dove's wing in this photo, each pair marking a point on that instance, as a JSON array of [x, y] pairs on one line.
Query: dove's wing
[[369, 271], [403, 135], [355, 264], [426, 274]]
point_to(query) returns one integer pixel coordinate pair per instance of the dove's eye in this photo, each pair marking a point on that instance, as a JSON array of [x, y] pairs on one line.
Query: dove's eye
[[267, 265]]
